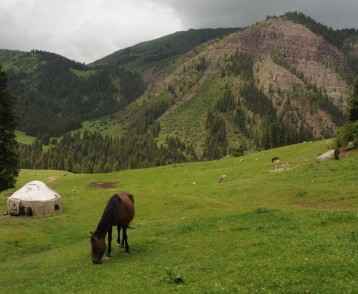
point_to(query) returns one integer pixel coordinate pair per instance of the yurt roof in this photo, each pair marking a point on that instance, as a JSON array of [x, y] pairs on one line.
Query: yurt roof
[[35, 191]]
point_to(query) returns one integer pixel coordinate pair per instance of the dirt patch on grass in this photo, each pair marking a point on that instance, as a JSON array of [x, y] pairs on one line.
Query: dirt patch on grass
[[343, 153], [104, 185], [280, 167], [51, 179]]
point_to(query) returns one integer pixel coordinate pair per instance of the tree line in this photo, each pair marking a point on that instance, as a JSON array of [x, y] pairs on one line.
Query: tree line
[[8, 155], [349, 132], [94, 153]]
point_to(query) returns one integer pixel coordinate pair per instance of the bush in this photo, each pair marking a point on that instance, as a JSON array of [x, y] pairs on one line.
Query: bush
[[348, 133], [237, 152]]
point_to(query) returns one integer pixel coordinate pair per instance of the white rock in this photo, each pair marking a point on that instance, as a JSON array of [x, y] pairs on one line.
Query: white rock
[[350, 146], [327, 155]]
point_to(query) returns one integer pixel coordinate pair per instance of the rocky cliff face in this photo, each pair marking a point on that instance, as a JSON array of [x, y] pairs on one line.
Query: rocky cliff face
[[318, 62], [291, 100]]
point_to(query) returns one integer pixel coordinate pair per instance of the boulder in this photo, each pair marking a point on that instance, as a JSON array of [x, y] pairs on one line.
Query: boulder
[[329, 155]]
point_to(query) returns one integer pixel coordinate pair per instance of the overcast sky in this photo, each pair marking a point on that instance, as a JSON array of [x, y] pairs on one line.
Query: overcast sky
[[86, 30]]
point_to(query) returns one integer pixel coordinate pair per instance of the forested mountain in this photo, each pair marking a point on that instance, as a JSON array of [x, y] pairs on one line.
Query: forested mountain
[[283, 80], [55, 95], [162, 51], [53, 88]]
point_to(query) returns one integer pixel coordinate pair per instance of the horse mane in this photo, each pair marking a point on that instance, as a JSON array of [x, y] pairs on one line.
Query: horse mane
[[109, 216]]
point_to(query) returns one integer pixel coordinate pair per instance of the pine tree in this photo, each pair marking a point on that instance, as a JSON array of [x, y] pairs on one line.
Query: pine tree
[[216, 141], [8, 145], [353, 115]]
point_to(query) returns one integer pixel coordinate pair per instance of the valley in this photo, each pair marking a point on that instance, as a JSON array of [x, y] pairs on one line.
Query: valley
[[297, 234]]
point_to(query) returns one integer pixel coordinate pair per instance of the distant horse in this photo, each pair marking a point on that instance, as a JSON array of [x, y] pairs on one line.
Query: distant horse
[[118, 212]]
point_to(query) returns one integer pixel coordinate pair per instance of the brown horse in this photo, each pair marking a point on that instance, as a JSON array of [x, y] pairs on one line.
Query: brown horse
[[118, 212]]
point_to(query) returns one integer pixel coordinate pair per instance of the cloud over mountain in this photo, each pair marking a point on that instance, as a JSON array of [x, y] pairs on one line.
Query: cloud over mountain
[[89, 29]]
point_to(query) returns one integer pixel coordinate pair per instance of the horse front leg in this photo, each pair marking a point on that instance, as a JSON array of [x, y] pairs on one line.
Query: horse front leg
[[125, 237], [122, 241], [109, 242]]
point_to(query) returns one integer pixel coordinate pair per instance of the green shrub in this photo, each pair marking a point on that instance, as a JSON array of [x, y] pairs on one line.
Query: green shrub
[[238, 151], [261, 210], [348, 133], [301, 194]]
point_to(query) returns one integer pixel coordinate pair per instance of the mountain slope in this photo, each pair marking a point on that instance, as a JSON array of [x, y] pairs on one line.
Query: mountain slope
[[280, 81], [160, 52], [335, 37], [52, 88], [273, 83], [55, 94]]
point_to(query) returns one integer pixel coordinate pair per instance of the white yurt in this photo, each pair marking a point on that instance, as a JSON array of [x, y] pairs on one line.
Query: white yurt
[[34, 199]]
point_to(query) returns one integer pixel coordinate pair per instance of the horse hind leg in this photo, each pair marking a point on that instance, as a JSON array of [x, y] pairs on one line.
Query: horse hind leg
[[109, 242], [122, 242], [119, 241]]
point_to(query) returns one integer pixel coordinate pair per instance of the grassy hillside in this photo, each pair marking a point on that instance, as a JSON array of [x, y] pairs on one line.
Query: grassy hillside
[[22, 138], [289, 231], [187, 120], [105, 125]]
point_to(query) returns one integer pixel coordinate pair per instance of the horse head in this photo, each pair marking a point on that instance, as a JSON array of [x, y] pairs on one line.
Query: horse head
[[98, 247]]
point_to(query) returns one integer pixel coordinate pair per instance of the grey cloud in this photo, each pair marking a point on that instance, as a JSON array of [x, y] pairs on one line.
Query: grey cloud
[[216, 13], [89, 29], [83, 30]]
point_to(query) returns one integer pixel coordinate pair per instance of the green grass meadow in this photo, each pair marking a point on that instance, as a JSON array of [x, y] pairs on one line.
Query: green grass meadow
[[259, 231]]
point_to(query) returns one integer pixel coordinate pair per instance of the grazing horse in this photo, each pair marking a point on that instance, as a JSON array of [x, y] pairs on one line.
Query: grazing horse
[[118, 212]]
